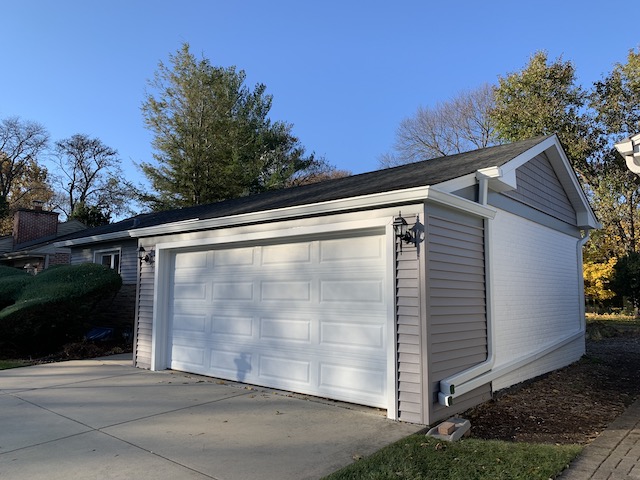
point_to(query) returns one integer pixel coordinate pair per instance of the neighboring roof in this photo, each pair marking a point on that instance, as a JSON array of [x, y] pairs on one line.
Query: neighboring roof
[[38, 246], [428, 172], [64, 228], [6, 243]]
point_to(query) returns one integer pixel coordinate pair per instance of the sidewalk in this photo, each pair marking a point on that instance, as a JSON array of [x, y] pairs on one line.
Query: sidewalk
[[614, 455]]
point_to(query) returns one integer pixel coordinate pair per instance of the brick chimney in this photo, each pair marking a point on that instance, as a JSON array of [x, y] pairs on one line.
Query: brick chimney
[[33, 224]]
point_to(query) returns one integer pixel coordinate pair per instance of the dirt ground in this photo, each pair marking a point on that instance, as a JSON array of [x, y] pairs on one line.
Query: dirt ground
[[572, 405]]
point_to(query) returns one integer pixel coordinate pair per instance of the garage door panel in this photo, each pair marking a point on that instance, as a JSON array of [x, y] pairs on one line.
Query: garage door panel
[[285, 370], [350, 250], [287, 291], [352, 335], [233, 326], [284, 255], [236, 257], [230, 291], [190, 323], [189, 356], [309, 317], [190, 260], [359, 383], [283, 329], [231, 365], [190, 291], [351, 290]]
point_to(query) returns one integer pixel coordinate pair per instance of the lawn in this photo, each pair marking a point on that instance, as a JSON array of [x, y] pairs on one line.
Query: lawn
[[422, 458], [613, 319], [5, 364]]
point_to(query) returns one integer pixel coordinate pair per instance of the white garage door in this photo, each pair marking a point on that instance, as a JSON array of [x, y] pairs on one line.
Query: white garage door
[[308, 317]]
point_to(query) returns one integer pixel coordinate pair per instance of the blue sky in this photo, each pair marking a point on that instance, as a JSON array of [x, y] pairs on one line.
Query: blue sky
[[345, 73]]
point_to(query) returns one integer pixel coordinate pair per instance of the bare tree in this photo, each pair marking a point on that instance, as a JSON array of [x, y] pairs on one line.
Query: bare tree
[[90, 176], [21, 143], [451, 127]]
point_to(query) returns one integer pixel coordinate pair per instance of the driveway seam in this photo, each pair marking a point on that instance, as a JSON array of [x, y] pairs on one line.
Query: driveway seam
[[97, 430], [127, 421], [22, 390]]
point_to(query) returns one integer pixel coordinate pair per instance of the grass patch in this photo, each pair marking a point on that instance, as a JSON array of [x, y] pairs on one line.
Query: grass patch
[[600, 326], [422, 458], [614, 318], [6, 364]]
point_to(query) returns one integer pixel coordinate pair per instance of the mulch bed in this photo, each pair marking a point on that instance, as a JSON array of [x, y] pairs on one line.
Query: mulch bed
[[571, 405]]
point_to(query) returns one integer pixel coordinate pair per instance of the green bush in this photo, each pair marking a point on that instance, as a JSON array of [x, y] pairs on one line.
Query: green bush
[[12, 281], [52, 308]]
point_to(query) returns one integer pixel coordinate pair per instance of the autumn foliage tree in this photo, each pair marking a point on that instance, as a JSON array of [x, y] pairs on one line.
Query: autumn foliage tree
[[22, 177]]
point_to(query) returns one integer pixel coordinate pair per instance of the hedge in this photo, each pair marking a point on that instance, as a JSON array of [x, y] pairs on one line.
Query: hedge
[[53, 307]]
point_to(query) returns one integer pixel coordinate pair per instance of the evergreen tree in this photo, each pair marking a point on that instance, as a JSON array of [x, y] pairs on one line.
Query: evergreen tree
[[212, 136]]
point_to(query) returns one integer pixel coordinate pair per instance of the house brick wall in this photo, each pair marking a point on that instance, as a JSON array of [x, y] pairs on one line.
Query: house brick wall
[[59, 259], [33, 224]]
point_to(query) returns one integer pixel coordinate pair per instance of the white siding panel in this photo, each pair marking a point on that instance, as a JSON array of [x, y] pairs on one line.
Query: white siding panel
[[536, 293]]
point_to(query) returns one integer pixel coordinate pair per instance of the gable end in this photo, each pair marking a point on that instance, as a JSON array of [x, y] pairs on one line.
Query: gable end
[[540, 188]]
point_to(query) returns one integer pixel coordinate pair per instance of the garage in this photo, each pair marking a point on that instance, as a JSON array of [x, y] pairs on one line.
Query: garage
[[308, 315]]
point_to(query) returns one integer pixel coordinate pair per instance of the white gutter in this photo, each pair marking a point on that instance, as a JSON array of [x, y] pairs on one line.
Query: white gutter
[[397, 197], [470, 379], [105, 237]]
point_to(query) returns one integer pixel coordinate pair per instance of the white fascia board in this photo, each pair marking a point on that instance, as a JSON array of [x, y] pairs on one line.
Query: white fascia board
[[416, 194], [527, 155], [93, 239], [459, 203], [586, 218], [458, 183], [332, 206]]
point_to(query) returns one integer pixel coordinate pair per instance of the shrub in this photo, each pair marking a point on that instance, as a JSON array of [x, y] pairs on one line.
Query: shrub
[[52, 308], [12, 281]]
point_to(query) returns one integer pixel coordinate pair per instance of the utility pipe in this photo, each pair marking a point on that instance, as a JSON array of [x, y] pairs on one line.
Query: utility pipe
[[447, 386]]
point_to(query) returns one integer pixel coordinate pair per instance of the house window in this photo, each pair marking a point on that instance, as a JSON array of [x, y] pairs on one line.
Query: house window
[[110, 258]]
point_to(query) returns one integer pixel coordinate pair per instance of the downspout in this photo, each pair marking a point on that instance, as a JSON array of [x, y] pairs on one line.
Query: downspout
[[448, 385], [460, 383]]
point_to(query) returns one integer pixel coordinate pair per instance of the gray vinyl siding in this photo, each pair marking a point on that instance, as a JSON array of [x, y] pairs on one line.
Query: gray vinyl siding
[[539, 187], [456, 303], [128, 257], [409, 335], [144, 309]]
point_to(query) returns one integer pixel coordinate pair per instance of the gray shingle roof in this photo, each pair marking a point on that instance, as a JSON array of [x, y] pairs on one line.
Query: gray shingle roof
[[428, 172]]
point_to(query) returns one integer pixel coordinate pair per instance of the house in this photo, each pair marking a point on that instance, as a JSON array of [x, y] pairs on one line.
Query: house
[[31, 245], [419, 289]]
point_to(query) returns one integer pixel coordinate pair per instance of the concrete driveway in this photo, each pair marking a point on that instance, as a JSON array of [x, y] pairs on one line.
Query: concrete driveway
[[103, 419]]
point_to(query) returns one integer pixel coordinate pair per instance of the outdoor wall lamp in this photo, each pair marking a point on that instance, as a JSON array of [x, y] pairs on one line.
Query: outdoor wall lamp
[[143, 256], [402, 231]]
